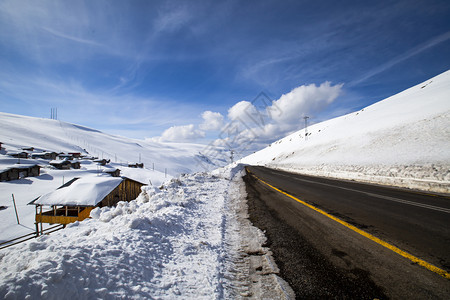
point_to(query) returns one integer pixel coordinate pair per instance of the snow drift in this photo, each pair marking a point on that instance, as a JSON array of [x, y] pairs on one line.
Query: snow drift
[[403, 140]]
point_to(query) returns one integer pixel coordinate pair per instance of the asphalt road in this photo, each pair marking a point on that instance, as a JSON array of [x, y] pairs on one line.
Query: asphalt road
[[322, 258]]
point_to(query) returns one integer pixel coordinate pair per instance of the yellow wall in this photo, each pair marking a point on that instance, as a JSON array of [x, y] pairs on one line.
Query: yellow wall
[[84, 214]]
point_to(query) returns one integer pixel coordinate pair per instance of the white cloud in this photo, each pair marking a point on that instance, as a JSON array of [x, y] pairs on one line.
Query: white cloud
[[211, 121], [305, 99], [243, 111], [171, 19], [184, 133], [253, 126], [71, 38]]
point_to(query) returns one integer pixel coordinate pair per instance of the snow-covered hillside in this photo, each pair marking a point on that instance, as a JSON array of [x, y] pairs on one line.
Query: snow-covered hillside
[[403, 140], [53, 135]]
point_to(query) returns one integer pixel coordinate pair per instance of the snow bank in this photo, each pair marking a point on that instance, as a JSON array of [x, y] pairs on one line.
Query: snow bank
[[181, 241], [402, 140]]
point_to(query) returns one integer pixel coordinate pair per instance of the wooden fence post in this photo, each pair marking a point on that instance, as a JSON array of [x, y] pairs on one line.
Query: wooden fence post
[[15, 208]]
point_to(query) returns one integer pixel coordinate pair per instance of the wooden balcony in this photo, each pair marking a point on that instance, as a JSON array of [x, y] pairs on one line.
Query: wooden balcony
[[64, 215]]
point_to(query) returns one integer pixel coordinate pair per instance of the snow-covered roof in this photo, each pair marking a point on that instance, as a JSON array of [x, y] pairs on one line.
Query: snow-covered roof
[[58, 161], [43, 153], [23, 166], [86, 191], [11, 163], [140, 175]]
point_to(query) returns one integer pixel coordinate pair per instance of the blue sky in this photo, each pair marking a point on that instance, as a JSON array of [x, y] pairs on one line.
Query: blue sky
[[182, 70]]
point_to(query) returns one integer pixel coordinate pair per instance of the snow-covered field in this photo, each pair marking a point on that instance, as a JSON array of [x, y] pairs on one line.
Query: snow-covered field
[[27, 189], [190, 239], [403, 140]]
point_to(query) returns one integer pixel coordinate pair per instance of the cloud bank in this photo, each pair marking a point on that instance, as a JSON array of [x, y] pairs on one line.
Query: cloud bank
[[250, 126], [211, 121], [184, 133]]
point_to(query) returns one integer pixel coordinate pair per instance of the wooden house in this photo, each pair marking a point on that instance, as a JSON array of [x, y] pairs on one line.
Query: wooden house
[[102, 161], [21, 154], [45, 155], [114, 172], [63, 156], [18, 171], [28, 149], [136, 165], [65, 164], [61, 164], [75, 154], [74, 200], [76, 165]]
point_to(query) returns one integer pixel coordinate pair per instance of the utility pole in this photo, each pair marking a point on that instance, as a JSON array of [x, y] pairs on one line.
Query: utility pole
[[306, 127]]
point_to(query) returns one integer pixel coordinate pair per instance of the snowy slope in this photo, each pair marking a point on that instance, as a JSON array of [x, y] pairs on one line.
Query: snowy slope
[[54, 135], [403, 140]]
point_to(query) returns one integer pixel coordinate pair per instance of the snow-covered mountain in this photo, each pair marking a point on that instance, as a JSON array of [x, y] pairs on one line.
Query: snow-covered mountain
[[53, 135], [403, 140]]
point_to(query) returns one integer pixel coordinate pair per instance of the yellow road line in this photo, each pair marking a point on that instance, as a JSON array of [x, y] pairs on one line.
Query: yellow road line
[[412, 258]]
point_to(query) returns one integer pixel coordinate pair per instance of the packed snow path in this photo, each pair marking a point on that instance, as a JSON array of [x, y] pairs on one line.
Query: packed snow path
[[185, 240]]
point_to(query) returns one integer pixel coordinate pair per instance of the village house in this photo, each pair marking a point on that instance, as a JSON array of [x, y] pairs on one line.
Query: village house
[[114, 172], [21, 154], [61, 164], [75, 200], [102, 161], [75, 154], [18, 171], [63, 156], [76, 165], [45, 155], [65, 164], [136, 165]]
